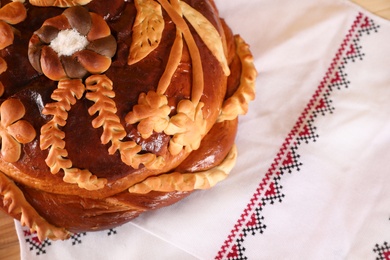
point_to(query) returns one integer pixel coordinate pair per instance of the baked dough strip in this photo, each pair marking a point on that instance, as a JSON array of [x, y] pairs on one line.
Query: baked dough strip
[[100, 91], [237, 104], [66, 95], [177, 181], [197, 68], [13, 199]]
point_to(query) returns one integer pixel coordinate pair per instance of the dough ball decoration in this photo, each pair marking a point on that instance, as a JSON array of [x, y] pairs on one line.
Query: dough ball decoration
[[149, 134]]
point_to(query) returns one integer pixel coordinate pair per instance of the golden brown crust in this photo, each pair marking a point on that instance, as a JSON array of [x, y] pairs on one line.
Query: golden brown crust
[[214, 148], [6, 36], [132, 103], [13, 13], [178, 181], [3, 66]]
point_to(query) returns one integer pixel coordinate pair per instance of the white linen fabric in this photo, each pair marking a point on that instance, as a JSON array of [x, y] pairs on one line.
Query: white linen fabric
[[312, 180]]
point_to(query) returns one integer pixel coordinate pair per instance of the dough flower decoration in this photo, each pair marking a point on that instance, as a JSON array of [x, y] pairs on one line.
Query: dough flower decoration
[[101, 92], [71, 45], [14, 131], [148, 27], [10, 14], [187, 127], [152, 113], [67, 48]]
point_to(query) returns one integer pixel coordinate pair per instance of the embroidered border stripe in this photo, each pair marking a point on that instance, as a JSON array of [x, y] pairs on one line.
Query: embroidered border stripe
[[269, 191]]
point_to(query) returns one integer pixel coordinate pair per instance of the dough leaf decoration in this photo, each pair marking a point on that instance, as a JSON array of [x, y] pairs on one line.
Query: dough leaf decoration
[[197, 68], [59, 3], [147, 30], [131, 155], [52, 137], [100, 91], [208, 33]]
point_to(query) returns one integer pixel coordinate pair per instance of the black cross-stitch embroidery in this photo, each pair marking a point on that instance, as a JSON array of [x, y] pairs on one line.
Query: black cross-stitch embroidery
[[304, 132]]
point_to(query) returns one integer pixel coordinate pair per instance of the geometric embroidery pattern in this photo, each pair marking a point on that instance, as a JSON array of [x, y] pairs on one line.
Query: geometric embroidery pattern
[[287, 160], [40, 248], [76, 238], [383, 251], [111, 232], [34, 243]]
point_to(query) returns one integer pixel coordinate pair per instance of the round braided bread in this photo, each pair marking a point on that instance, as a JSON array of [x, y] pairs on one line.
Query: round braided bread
[[109, 110]]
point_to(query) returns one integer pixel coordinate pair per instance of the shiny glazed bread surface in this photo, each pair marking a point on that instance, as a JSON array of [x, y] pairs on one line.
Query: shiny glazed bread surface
[[125, 124]]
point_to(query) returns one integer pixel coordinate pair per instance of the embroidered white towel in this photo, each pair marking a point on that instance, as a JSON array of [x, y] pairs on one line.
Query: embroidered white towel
[[312, 179]]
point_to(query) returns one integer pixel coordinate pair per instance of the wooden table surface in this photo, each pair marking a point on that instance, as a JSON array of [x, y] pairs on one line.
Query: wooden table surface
[[9, 244]]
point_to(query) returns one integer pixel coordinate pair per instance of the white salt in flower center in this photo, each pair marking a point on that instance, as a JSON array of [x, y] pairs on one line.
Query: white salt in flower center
[[68, 42]]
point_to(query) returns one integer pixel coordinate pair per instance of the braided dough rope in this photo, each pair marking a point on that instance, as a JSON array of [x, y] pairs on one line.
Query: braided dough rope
[[17, 205], [187, 181], [238, 103], [66, 95]]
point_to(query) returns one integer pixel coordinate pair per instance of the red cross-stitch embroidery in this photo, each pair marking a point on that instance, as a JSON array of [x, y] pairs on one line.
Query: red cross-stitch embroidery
[[383, 251], [269, 191]]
